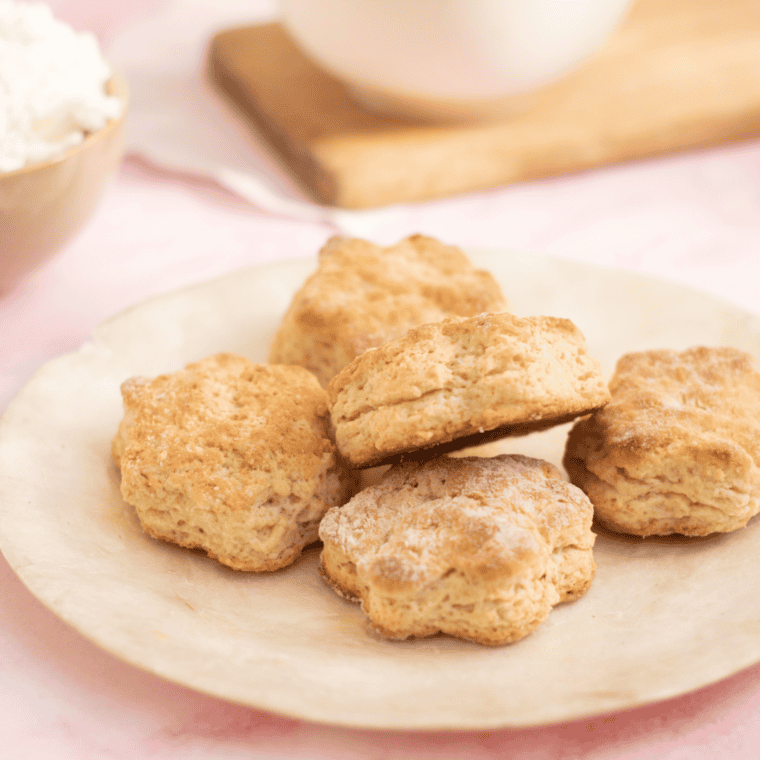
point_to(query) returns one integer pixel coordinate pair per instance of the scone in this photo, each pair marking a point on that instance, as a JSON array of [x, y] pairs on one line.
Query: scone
[[230, 457], [677, 450], [363, 295], [478, 548], [461, 381]]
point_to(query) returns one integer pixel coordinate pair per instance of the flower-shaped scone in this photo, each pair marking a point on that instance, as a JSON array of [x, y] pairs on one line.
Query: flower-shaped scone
[[363, 295], [478, 548], [677, 450], [460, 382], [230, 457]]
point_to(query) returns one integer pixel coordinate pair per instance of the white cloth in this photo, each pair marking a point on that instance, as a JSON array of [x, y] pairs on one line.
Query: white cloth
[[178, 122]]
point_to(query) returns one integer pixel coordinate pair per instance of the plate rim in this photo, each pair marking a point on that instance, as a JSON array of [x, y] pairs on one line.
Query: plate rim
[[101, 331]]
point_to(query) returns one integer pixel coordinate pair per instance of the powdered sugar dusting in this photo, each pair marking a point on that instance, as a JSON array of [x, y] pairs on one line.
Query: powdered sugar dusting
[[477, 548]]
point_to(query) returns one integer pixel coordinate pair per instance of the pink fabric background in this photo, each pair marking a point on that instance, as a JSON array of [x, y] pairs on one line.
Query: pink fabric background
[[693, 218]]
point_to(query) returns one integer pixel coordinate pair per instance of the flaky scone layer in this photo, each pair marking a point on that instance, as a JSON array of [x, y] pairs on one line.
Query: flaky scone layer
[[363, 295], [478, 548], [230, 457], [677, 450], [459, 377]]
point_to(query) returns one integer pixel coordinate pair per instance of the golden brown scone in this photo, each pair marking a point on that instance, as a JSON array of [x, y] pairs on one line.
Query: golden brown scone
[[479, 548], [230, 457], [677, 450], [363, 295], [456, 380]]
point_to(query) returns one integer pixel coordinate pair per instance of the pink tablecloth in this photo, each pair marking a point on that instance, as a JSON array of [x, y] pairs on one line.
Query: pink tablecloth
[[693, 218]]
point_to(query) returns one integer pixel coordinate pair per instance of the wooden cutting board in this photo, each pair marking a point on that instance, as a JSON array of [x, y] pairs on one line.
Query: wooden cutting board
[[677, 74]]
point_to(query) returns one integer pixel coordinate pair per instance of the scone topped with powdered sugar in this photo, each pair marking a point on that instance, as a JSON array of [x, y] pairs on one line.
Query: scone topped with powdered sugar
[[479, 548], [230, 457], [677, 449]]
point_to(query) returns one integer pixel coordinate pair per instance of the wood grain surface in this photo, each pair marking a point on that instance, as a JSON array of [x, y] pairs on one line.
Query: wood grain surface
[[678, 74]]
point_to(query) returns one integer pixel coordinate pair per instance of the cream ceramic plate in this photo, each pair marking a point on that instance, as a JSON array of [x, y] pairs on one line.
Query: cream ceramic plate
[[661, 618]]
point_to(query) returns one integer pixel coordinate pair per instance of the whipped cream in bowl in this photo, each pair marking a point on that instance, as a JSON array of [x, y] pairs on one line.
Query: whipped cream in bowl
[[62, 110]]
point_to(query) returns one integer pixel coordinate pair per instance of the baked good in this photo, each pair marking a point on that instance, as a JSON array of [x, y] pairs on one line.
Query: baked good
[[230, 457], [479, 548], [677, 449], [461, 381], [363, 295]]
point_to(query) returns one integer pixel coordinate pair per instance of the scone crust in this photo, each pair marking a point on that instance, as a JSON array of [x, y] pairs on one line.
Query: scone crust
[[363, 295], [677, 450], [460, 378], [478, 548], [230, 457]]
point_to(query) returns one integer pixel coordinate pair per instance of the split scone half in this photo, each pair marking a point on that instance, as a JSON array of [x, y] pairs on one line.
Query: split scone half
[[230, 457], [677, 450], [478, 548], [363, 295], [461, 382]]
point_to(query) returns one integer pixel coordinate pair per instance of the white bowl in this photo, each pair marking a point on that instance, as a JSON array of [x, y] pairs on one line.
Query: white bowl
[[449, 58]]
